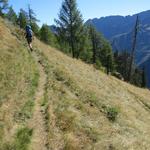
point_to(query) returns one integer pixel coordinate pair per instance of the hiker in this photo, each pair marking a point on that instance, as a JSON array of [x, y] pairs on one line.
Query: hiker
[[29, 36]]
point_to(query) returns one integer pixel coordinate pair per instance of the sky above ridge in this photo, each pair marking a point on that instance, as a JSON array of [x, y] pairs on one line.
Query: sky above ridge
[[47, 10]]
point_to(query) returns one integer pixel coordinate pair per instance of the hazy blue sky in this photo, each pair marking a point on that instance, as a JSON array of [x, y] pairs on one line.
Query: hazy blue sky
[[47, 10]]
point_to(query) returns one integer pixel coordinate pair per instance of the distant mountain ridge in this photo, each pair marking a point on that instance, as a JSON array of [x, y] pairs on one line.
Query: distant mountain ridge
[[119, 31]]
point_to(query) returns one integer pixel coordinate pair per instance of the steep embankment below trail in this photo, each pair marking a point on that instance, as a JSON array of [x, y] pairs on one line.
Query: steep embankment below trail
[[18, 83], [75, 103], [78, 100]]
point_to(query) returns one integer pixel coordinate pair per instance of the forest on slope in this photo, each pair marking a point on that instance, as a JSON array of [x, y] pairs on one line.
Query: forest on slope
[[119, 30]]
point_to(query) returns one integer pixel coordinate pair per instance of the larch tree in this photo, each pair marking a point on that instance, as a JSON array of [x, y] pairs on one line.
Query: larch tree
[[144, 82], [101, 50], [23, 18], [105, 55], [70, 26], [95, 42], [11, 15], [3, 6], [33, 20], [133, 51], [46, 34]]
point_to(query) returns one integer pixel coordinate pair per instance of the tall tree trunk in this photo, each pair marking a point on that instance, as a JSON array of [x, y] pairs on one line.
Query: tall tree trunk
[[143, 78], [133, 49], [108, 65], [29, 13], [72, 47], [94, 51], [71, 34]]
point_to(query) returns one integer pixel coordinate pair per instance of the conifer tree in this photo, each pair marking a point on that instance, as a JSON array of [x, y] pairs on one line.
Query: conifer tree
[[136, 29], [11, 15], [122, 62], [143, 78], [46, 34], [23, 18], [33, 20], [32, 15], [101, 50], [3, 6], [95, 41], [106, 56], [70, 26]]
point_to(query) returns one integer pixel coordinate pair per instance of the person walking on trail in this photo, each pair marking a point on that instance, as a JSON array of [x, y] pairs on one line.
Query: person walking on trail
[[29, 36]]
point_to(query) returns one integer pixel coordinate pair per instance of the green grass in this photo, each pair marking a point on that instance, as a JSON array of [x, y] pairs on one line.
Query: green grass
[[21, 141], [33, 82], [1, 132], [23, 138], [25, 112], [27, 109]]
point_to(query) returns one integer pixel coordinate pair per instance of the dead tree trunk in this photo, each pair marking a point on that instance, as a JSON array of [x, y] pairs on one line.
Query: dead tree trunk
[[133, 49]]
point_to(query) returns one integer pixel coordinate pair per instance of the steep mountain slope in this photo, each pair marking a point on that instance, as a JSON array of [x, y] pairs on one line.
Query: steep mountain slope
[[115, 25], [119, 30], [124, 42], [18, 83], [78, 105], [78, 97]]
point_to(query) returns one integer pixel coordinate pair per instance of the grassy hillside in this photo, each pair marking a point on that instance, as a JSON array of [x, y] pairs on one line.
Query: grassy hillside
[[79, 101], [18, 82], [82, 107]]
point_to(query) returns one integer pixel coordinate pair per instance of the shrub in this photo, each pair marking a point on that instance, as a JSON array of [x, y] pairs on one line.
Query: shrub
[[65, 120], [112, 113]]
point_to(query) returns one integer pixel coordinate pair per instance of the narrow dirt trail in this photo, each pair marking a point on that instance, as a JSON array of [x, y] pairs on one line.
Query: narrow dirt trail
[[37, 123]]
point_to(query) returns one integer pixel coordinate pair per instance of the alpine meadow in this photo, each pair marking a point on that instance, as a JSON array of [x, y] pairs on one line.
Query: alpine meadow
[[75, 85]]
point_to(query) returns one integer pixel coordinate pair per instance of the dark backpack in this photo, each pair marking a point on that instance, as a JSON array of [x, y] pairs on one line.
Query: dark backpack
[[28, 31]]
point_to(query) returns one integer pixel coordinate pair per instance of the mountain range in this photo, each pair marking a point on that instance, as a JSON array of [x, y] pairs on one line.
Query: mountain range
[[119, 31]]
